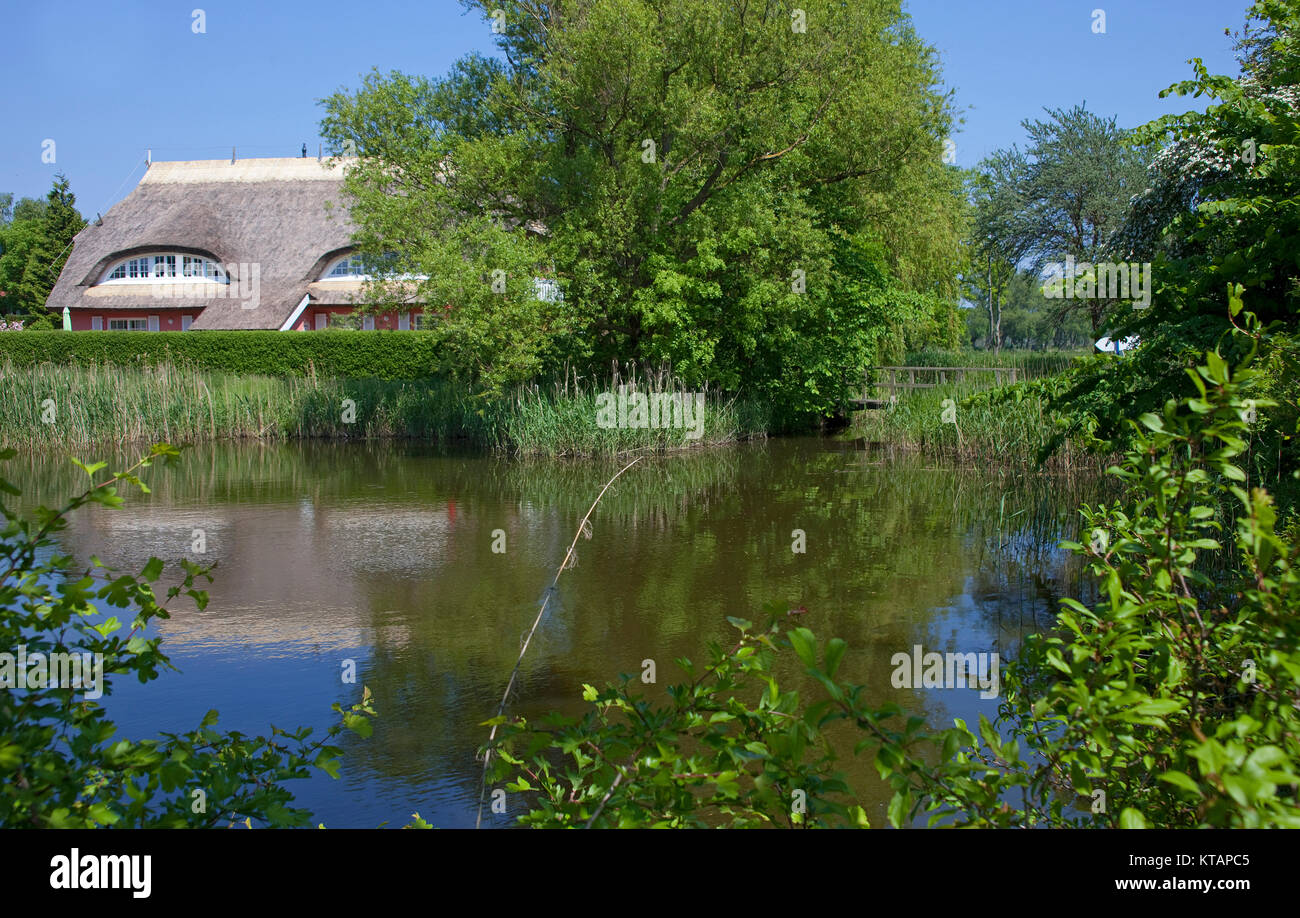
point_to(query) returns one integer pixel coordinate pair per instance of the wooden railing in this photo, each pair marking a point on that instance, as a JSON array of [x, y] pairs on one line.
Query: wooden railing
[[938, 376]]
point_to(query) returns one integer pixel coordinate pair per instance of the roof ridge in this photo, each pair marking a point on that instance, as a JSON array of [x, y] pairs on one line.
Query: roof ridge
[[265, 169]]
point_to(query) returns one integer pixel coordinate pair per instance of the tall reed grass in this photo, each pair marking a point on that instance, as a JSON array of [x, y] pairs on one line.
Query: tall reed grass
[[995, 432], [60, 406]]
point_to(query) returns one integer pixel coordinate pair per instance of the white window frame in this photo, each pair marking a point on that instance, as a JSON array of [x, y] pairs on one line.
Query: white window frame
[[165, 266], [346, 268], [421, 321], [128, 324], [351, 266]]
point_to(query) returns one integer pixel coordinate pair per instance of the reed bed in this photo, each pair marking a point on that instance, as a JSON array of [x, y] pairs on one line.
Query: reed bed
[[50, 406], [1006, 433], [557, 420]]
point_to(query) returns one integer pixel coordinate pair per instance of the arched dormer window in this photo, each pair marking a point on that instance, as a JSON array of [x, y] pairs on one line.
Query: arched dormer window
[[349, 267], [168, 266], [354, 266]]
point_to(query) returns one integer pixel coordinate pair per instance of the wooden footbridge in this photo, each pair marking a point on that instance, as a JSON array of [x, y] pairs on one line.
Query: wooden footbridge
[[883, 390]]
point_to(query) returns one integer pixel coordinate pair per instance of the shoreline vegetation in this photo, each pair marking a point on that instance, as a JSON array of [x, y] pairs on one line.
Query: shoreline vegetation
[[968, 422], [60, 406], [57, 406]]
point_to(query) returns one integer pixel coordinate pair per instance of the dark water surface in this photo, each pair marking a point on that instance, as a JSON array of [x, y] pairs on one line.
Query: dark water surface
[[382, 554]]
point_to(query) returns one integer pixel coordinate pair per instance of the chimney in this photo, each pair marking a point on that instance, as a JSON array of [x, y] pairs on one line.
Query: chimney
[[304, 151]]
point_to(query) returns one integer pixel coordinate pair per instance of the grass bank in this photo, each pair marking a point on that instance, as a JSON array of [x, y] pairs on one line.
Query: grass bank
[[57, 406]]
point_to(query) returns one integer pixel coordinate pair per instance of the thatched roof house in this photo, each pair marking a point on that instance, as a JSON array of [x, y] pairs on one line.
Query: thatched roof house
[[216, 244]]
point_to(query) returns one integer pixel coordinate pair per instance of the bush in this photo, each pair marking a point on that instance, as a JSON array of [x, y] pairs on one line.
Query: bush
[[340, 354], [1171, 702]]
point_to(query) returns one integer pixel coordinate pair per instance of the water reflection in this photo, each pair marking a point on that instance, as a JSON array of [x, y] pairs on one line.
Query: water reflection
[[382, 554]]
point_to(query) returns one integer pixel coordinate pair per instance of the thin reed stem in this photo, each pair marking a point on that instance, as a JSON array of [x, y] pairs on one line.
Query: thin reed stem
[[514, 673]]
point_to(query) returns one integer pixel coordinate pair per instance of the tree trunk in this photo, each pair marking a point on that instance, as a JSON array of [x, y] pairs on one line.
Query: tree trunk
[[995, 314]]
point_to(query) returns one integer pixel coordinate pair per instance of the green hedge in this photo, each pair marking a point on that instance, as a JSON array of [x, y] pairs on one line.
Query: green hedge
[[339, 354]]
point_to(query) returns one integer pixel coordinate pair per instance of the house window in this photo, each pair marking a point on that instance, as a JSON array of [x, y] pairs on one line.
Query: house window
[[145, 268], [133, 269], [355, 267], [128, 324], [420, 322], [348, 266], [193, 266]]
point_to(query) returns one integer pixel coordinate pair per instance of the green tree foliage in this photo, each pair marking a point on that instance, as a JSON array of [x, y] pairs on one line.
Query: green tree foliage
[[1065, 195], [34, 245], [1170, 702], [756, 197], [998, 239], [62, 763], [1029, 320], [1219, 212]]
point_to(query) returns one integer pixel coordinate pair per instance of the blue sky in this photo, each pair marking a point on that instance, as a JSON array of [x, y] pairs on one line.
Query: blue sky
[[107, 80]]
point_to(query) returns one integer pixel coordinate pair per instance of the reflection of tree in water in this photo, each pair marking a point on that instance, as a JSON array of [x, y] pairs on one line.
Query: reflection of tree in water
[[698, 538]]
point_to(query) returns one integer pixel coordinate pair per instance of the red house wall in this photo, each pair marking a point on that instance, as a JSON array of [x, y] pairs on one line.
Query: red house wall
[[384, 321], [81, 318]]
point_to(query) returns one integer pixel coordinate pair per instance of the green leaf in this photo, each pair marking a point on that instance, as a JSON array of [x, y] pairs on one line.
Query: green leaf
[[1179, 779], [898, 807], [1131, 819], [805, 645], [1158, 707], [358, 724], [834, 653]]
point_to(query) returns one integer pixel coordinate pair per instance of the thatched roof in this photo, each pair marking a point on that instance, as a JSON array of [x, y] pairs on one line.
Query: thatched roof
[[278, 220]]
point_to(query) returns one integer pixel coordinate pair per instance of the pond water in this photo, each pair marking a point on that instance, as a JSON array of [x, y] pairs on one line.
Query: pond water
[[382, 554]]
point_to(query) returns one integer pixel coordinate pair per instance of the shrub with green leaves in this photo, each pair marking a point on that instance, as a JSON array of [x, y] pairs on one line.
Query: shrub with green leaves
[[62, 763], [732, 749], [1172, 702]]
